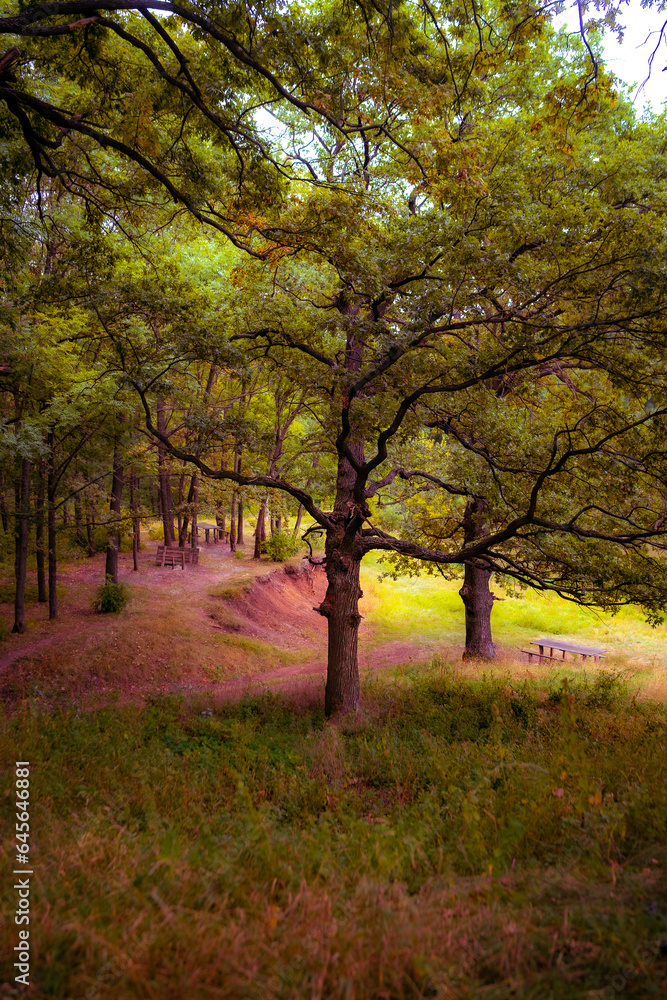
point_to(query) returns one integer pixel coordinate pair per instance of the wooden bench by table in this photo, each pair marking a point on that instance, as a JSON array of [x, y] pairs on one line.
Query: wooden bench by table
[[563, 647], [174, 555]]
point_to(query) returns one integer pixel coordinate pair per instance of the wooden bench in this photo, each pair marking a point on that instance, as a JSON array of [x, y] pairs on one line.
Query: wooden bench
[[540, 656], [174, 555]]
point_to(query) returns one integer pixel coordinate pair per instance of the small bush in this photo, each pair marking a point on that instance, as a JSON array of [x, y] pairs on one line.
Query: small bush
[[111, 597], [280, 546], [608, 690]]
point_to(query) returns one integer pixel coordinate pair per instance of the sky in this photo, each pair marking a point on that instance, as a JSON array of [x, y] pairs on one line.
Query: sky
[[629, 59]]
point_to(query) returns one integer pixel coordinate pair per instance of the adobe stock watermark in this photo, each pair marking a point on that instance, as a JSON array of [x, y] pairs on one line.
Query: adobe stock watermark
[[616, 985], [22, 868]]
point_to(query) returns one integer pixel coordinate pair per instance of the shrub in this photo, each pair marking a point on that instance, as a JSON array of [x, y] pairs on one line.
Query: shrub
[[280, 546], [111, 597], [608, 690]]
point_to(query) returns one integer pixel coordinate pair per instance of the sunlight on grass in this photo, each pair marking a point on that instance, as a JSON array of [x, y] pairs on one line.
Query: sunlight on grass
[[429, 607]]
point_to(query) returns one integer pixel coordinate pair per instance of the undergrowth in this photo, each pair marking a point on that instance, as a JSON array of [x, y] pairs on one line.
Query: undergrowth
[[456, 839]]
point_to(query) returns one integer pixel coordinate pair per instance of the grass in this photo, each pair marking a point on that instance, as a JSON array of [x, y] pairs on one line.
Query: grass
[[458, 839]]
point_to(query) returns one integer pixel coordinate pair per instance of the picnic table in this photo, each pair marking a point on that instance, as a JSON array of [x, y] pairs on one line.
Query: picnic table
[[215, 528], [562, 647]]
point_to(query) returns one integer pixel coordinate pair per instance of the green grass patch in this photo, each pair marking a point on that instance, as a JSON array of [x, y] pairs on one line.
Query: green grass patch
[[431, 608], [467, 839]]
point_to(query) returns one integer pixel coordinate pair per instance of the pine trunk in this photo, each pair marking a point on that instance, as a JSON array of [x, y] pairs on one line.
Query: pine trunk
[[90, 537], [183, 529], [42, 595], [22, 516], [113, 545], [51, 485], [3, 506], [163, 476], [232, 524], [136, 523], [195, 498], [259, 530], [181, 494], [239, 529]]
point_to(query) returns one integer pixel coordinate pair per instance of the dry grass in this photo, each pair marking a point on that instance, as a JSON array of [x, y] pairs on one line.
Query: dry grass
[[250, 851]]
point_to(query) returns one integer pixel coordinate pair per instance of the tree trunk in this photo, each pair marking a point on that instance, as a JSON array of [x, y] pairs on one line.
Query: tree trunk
[[22, 515], [297, 525], [42, 595], [341, 609], [343, 553], [90, 537], [179, 516], [183, 530], [78, 530], [232, 524], [475, 592], [51, 484], [3, 506], [163, 475], [239, 530], [195, 498], [257, 554], [136, 522], [113, 545]]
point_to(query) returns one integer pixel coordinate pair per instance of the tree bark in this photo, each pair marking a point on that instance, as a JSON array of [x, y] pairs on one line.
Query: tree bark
[[232, 524], [341, 609], [179, 515], [3, 506], [78, 531], [343, 554], [239, 530], [195, 499], [42, 595], [475, 592], [297, 524], [257, 554], [163, 476], [113, 545], [136, 522], [21, 527], [51, 484], [90, 537]]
